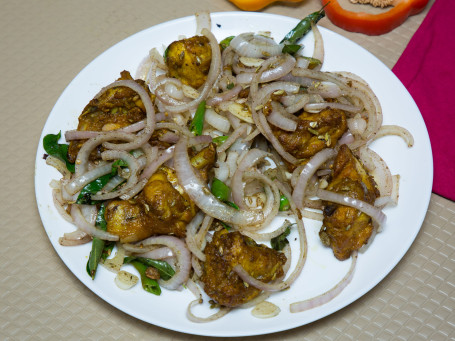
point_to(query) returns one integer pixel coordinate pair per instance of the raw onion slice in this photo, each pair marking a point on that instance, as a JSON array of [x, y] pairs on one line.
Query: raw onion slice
[[77, 183], [378, 169], [307, 172], [74, 238], [281, 119], [376, 214], [386, 130], [203, 21], [201, 195], [329, 295], [125, 280], [280, 67], [90, 229], [191, 229], [318, 52], [58, 165], [225, 96], [317, 107], [193, 318], [250, 160], [250, 45], [133, 166]]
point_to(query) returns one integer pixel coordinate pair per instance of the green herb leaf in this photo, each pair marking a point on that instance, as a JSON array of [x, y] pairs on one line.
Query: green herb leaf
[[85, 197], [116, 165], [279, 242], [52, 147]]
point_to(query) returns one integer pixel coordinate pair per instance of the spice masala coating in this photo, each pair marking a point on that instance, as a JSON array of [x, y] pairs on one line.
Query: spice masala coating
[[226, 250], [346, 229]]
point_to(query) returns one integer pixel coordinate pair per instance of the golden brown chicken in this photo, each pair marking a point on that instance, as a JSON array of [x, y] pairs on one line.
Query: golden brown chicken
[[116, 108], [344, 228], [161, 208], [314, 132], [228, 249], [189, 60]]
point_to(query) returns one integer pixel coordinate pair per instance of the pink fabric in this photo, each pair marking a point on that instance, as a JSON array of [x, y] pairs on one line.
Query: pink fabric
[[427, 70]]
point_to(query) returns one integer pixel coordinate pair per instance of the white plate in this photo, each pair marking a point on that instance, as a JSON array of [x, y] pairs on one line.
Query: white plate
[[322, 270]]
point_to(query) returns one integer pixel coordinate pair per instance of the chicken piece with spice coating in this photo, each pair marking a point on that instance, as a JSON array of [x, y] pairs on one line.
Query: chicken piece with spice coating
[[189, 60], [346, 229], [116, 108], [314, 133], [161, 208], [223, 253]]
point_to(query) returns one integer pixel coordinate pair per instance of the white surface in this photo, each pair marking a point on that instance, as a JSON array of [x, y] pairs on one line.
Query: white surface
[[322, 270]]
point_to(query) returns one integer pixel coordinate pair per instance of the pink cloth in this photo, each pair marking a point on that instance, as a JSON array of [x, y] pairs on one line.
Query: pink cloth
[[427, 70]]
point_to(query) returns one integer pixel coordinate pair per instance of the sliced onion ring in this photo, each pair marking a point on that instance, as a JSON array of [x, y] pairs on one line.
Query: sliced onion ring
[[376, 214], [329, 295]]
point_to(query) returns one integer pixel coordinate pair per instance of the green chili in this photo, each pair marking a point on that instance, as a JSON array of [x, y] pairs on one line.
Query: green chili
[[284, 203], [148, 284], [303, 27], [197, 124], [220, 140], [166, 271], [226, 42], [220, 190], [313, 62], [100, 248]]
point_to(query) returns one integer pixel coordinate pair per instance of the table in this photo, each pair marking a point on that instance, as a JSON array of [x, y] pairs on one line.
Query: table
[[44, 44]]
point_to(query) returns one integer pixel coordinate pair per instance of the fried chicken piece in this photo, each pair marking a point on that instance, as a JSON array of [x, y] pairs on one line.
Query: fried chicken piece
[[162, 207], [189, 60], [314, 132], [116, 108], [344, 228], [228, 249]]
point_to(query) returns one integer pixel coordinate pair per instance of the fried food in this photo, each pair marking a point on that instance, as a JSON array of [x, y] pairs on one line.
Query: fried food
[[344, 228], [228, 249], [162, 207], [314, 132], [189, 60], [116, 108]]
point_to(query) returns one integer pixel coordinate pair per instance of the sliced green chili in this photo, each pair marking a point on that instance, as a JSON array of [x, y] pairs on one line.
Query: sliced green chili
[[226, 42], [220, 190], [284, 203], [148, 284], [303, 27], [100, 248], [220, 140], [197, 124], [166, 271]]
